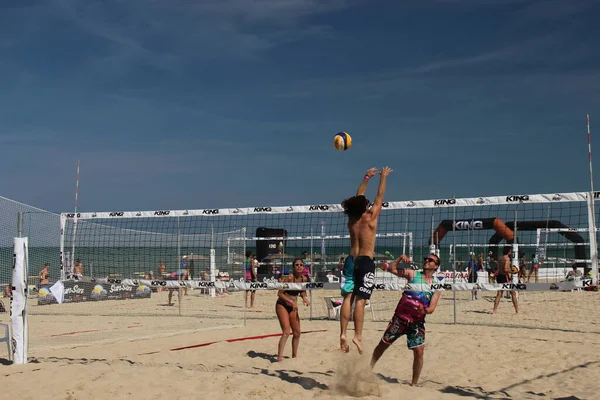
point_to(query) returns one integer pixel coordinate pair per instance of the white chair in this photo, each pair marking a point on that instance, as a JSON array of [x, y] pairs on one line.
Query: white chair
[[7, 340], [333, 310], [368, 305]]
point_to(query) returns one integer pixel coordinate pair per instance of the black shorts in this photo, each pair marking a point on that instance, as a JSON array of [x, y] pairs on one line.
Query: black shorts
[[364, 277], [473, 277], [285, 305], [501, 278]]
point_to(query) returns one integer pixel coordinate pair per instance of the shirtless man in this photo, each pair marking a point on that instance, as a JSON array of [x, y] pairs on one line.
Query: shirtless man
[[362, 224], [347, 281], [505, 276], [409, 317]]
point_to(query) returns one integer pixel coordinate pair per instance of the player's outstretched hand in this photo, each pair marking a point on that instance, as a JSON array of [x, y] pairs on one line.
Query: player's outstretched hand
[[404, 259], [385, 171], [372, 172]]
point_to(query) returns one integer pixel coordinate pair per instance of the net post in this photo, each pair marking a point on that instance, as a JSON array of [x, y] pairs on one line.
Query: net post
[[20, 224], [515, 250], [593, 237], [18, 306], [454, 263], [212, 272]]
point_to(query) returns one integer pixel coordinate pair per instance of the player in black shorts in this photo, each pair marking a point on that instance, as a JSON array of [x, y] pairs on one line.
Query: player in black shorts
[[364, 277], [505, 276], [362, 224]]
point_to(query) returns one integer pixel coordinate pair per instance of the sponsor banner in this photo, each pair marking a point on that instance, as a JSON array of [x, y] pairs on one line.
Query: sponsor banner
[[266, 284], [466, 202], [530, 287], [74, 291], [392, 284]]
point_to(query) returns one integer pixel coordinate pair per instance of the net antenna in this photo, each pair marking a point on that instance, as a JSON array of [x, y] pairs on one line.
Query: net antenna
[[72, 258]]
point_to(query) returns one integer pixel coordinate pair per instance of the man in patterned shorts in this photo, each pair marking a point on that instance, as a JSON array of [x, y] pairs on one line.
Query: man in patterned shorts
[[409, 317]]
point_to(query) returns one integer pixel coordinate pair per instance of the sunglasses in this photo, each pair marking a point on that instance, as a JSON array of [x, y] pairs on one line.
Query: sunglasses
[[302, 265], [429, 259]]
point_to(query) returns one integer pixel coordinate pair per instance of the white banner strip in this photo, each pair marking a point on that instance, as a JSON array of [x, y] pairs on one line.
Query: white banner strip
[[439, 203], [380, 284]]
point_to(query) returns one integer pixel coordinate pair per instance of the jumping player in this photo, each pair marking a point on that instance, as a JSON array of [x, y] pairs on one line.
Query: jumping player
[[362, 224], [409, 317], [347, 281]]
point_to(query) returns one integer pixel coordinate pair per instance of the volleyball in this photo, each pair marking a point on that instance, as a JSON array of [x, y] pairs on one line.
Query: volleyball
[[342, 141], [515, 269]]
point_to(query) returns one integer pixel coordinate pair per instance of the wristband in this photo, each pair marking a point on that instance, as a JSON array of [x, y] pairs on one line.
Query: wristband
[[367, 177]]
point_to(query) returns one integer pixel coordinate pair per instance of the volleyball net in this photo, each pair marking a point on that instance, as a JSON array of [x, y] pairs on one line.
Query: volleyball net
[[187, 268]]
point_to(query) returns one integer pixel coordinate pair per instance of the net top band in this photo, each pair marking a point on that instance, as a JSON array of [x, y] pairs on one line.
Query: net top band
[[333, 208]]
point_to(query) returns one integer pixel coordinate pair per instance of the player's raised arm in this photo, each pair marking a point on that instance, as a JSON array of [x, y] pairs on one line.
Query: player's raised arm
[[378, 203], [402, 272], [363, 185]]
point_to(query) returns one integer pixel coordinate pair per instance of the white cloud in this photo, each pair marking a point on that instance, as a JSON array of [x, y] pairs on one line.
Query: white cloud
[[168, 35]]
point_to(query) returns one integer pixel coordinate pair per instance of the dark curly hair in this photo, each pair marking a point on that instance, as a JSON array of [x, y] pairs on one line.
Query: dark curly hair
[[355, 206]]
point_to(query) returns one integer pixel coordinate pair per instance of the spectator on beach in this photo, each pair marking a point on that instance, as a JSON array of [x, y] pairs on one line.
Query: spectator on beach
[[191, 269], [574, 273], [78, 270], [492, 269], [522, 268], [535, 265], [44, 275], [307, 263], [472, 270], [162, 271], [505, 276], [183, 272], [251, 268], [341, 263]]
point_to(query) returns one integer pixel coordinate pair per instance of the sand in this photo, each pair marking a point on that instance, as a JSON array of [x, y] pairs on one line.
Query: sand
[[143, 349]]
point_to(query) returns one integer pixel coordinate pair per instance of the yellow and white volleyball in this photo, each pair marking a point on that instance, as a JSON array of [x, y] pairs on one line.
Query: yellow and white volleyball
[[142, 289], [43, 292], [342, 141], [98, 290], [514, 269]]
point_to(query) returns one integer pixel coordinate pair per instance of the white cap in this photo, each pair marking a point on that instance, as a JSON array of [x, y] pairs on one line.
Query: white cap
[[184, 257]]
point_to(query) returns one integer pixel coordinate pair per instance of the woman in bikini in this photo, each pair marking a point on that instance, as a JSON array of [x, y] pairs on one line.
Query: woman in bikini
[[286, 308]]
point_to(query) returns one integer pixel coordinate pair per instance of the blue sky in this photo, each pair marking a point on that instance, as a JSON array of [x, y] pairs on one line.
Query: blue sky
[[233, 103]]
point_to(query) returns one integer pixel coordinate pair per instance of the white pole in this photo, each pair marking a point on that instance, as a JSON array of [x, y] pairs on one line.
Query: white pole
[[63, 223], [515, 259], [593, 239], [592, 210], [18, 305], [213, 263]]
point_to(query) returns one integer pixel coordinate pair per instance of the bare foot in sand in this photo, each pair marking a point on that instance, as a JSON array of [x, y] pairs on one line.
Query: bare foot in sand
[[358, 344], [344, 344]]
